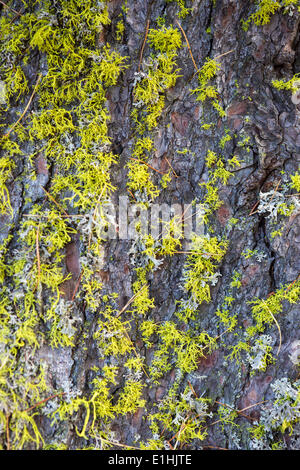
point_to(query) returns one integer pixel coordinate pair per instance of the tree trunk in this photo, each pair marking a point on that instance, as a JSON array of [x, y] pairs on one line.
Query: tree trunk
[[120, 328]]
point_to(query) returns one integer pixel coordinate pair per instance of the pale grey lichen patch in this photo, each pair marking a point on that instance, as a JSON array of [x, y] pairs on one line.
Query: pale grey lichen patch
[[59, 362], [295, 352]]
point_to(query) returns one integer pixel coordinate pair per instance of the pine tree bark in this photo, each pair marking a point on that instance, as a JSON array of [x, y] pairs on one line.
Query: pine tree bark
[[264, 124]]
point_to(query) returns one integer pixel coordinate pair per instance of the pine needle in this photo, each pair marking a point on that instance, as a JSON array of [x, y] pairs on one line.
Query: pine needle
[[188, 45]]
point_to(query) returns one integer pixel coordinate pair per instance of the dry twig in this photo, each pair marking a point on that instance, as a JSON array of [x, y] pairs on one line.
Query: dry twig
[[9, 8], [143, 46], [55, 202], [147, 164], [7, 432], [176, 176], [26, 108], [44, 401], [38, 258]]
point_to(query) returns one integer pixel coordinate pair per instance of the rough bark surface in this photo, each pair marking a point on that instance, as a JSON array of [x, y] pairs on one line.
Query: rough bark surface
[[271, 122]]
